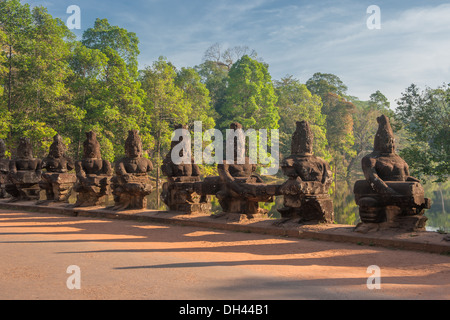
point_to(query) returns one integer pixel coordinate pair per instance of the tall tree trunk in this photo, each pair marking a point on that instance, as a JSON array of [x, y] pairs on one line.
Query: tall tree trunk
[[442, 198], [158, 151], [335, 174], [10, 79], [10, 91]]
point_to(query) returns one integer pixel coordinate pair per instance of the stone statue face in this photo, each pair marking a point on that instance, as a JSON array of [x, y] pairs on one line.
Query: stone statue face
[[302, 139], [174, 143], [57, 149], [91, 146], [384, 138], [24, 150], [133, 145]]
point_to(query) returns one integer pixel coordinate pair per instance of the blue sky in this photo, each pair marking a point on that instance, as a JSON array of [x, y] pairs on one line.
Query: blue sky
[[295, 38]]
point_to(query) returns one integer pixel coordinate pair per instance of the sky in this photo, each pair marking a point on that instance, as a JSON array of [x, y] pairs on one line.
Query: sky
[[297, 38]]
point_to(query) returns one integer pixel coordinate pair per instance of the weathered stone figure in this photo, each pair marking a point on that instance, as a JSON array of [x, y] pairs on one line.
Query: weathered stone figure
[[93, 174], [131, 184], [306, 191], [4, 169], [57, 180], [388, 193], [24, 173], [241, 189], [178, 192]]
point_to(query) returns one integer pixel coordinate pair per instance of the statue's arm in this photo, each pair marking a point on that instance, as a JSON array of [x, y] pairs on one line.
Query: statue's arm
[[409, 178], [107, 168], [166, 168], [370, 173], [70, 164], [327, 176], [149, 165], [224, 174], [12, 167], [79, 170], [119, 168]]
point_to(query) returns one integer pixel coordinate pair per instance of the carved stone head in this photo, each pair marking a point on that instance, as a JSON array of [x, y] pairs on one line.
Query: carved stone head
[[174, 143], [302, 139], [133, 144], [57, 148], [24, 150], [384, 138], [91, 146]]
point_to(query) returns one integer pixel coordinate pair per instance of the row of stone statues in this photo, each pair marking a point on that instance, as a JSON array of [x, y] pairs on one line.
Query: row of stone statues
[[25, 176], [387, 195]]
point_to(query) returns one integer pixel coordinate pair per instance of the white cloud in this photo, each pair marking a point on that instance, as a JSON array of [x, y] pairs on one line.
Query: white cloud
[[293, 37], [412, 47]]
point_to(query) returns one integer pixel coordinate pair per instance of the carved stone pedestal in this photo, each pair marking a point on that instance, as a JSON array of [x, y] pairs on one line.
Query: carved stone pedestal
[[179, 194], [306, 201], [4, 168], [243, 196], [92, 190], [57, 186], [131, 192], [403, 210], [24, 186]]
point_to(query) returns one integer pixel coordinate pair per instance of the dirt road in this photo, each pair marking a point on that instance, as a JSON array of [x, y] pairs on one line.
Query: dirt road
[[118, 259]]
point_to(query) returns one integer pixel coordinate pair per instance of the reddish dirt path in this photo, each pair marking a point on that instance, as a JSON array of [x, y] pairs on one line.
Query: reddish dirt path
[[132, 260]]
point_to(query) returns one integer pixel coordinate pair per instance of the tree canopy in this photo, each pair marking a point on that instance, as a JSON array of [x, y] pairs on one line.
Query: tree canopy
[[50, 83]]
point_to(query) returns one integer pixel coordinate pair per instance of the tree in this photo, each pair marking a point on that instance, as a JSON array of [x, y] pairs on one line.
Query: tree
[[197, 95], [3, 69], [295, 103], [425, 115], [340, 137], [104, 90], [86, 83], [125, 43], [339, 122], [323, 83], [250, 97], [37, 49], [378, 101], [165, 105], [49, 99], [214, 70], [15, 23], [226, 58]]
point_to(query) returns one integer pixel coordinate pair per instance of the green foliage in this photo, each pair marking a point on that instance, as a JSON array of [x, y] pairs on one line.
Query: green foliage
[[323, 83], [40, 134], [295, 103], [250, 97], [215, 78], [197, 95], [124, 43], [51, 83], [426, 117], [165, 104]]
